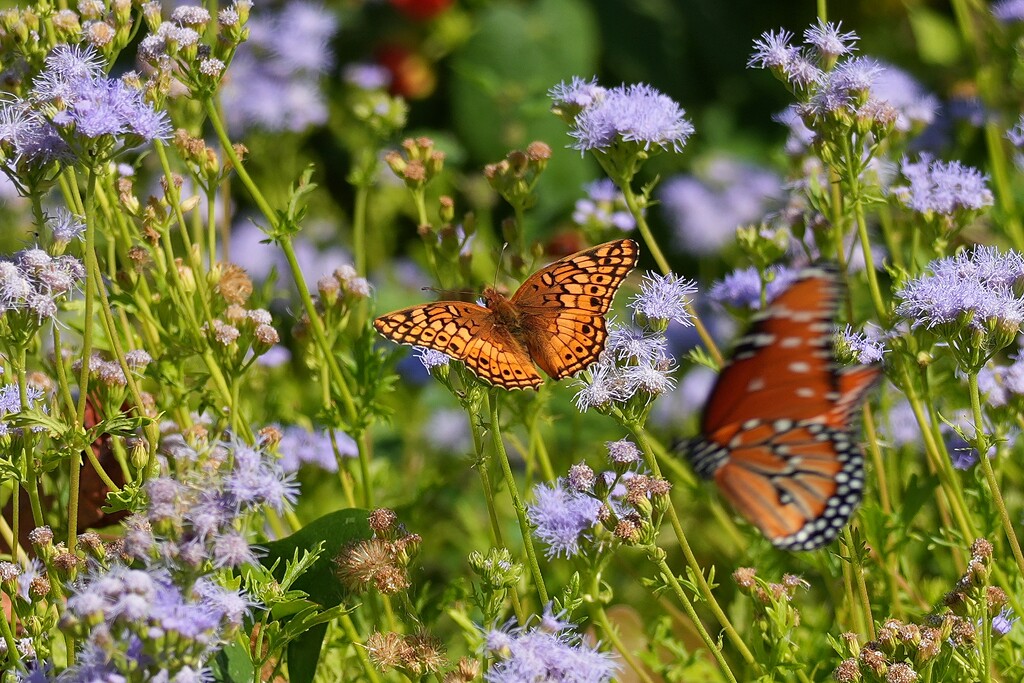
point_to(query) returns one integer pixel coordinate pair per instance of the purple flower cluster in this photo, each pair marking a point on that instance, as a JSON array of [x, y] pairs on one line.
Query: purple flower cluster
[[137, 620], [550, 651], [866, 348], [1000, 383], [10, 403], [562, 517], [1008, 11], [71, 100], [636, 114], [942, 187], [192, 520], [300, 446], [273, 81], [635, 362], [34, 282], [974, 287], [704, 210], [742, 288], [604, 208]]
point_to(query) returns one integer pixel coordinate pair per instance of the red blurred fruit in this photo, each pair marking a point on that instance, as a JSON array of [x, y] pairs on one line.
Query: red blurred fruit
[[421, 10]]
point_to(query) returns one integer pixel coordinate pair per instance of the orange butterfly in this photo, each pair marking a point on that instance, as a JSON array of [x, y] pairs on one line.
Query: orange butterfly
[[776, 432], [555, 319]]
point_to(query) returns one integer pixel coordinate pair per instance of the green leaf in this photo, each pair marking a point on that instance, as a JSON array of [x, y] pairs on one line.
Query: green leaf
[[304, 654], [232, 665], [335, 530], [937, 39]]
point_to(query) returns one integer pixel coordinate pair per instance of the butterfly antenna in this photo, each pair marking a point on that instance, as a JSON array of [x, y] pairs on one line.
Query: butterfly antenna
[[501, 259]]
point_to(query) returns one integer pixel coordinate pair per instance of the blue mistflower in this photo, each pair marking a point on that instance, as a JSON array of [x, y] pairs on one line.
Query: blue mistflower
[[975, 287], [942, 187], [867, 349], [576, 95], [635, 113], [431, 358], [828, 40], [538, 655], [664, 297], [773, 50], [1004, 621], [1008, 11], [367, 76], [742, 288], [915, 106], [562, 517], [300, 446]]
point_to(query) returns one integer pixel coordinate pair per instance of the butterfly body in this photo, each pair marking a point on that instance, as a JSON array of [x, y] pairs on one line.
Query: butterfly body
[[776, 432], [555, 319]]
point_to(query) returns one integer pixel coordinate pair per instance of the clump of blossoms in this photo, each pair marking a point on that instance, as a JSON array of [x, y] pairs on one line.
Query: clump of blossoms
[[969, 300], [947, 646], [75, 112], [948, 194], [550, 650], [775, 615], [635, 366], [744, 288], [31, 287], [622, 125], [166, 613], [863, 347], [705, 209], [581, 513]]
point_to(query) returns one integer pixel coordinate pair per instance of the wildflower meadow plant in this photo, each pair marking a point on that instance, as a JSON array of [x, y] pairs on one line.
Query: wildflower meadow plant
[[214, 465]]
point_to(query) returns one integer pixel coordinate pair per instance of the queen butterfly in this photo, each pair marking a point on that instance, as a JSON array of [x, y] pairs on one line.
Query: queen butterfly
[[776, 431]]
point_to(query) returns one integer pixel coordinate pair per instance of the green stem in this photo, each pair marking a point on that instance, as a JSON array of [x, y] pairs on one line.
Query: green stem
[[990, 476], [599, 615], [517, 503], [483, 468], [657, 556], [868, 625], [696, 572]]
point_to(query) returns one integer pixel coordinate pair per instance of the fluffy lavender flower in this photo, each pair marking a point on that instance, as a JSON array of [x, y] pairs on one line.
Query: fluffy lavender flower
[[66, 227], [627, 343], [664, 297], [562, 517], [600, 386], [431, 358], [231, 549], [653, 379], [632, 114], [976, 285], [300, 446], [95, 105], [578, 94], [273, 80], [828, 40], [603, 208], [1000, 383], [742, 288], [705, 210], [1008, 11], [867, 349], [540, 655], [1004, 621], [367, 76], [257, 479], [942, 187], [773, 50]]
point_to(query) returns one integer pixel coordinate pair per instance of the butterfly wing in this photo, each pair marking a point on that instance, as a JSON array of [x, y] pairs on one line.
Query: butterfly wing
[[776, 429], [466, 332], [563, 306]]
